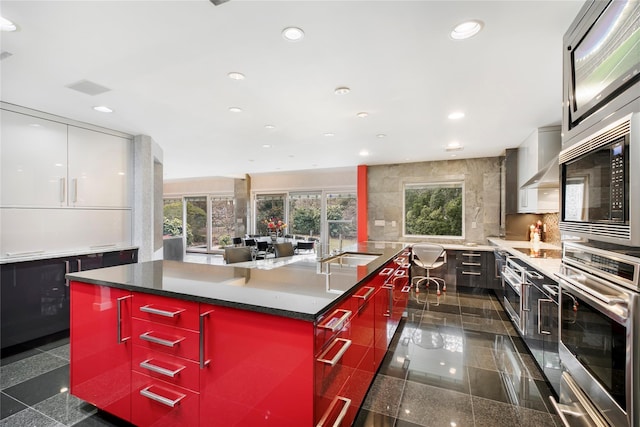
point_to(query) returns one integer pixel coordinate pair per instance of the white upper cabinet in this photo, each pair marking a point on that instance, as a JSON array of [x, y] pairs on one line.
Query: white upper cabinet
[[33, 157], [50, 164], [100, 169]]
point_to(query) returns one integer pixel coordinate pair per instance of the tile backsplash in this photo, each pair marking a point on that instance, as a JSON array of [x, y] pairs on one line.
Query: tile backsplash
[[517, 226]]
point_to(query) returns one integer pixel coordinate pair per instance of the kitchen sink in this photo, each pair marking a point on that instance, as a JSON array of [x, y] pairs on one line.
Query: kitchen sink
[[351, 258]]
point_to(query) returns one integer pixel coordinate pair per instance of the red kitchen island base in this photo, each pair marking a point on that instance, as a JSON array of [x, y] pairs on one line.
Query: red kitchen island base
[[166, 361]]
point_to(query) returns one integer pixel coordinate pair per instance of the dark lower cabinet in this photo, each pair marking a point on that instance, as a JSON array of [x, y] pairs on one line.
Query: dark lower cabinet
[[34, 295]]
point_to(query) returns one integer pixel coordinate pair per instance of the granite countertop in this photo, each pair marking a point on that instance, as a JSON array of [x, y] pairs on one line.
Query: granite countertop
[[290, 287], [547, 266], [38, 255]]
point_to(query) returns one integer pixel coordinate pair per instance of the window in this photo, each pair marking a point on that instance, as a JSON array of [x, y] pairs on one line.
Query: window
[[196, 223], [305, 211], [172, 225], [342, 215], [222, 221], [433, 209], [268, 206]]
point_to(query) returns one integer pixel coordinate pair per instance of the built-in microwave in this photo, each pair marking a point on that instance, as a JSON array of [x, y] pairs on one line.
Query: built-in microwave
[[600, 184], [601, 63]]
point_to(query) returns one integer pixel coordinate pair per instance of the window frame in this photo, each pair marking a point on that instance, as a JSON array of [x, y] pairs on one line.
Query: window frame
[[434, 183]]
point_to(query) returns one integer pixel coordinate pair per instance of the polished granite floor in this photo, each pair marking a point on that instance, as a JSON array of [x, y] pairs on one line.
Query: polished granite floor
[[456, 361]]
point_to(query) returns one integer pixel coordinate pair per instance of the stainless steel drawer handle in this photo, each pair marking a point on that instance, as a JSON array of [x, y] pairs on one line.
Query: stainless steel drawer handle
[[148, 337], [161, 399], [346, 403], [534, 274], [333, 323], [162, 371], [476, 264], [471, 273], [406, 289], [470, 254], [400, 273], [386, 271], [149, 309], [339, 354], [367, 294]]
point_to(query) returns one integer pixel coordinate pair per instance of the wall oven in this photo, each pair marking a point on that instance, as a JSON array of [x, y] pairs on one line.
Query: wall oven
[[599, 328], [600, 185]]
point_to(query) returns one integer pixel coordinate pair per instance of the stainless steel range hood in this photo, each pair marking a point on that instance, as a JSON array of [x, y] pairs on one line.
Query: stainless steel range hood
[[547, 177]]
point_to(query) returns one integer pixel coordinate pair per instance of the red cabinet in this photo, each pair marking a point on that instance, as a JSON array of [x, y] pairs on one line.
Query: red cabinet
[[258, 369], [100, 368]]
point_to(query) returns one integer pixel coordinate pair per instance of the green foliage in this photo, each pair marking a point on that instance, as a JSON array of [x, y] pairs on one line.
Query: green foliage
[[173, 227], [305, 220], [267, 209], [224, 240], [433, 211]]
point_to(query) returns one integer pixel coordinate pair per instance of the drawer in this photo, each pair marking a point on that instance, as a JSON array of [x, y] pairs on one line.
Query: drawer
[[172, 369], [157, 403], [168, 311], [334, 324], [167, 339], [470, 256], [474, 277]]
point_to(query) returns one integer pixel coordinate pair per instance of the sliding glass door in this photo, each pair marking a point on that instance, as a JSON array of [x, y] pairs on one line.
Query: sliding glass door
[[222, 221], [197, 232], [305, 213], [341, 220]]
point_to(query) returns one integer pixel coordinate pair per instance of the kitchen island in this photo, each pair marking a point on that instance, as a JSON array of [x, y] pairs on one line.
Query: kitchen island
[[284, 343]]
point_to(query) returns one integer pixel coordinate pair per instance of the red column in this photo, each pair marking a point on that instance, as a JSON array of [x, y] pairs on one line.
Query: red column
[[363, 232]]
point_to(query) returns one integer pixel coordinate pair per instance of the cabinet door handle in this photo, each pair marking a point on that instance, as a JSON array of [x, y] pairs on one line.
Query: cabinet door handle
[[167, 343], [75, 190], [334, 323], [149, 309], [367, 294], [346, 402], [540, 331], [79, 262], [157, 369], [534, 274], [119, 320], [161, 399], [339, 354], [476, 264], [63, 190], [471, 273], [66, 271], [201, 354], [471, 255]]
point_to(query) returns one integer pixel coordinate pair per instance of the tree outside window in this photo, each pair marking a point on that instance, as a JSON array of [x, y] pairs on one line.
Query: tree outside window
[[433, 209]]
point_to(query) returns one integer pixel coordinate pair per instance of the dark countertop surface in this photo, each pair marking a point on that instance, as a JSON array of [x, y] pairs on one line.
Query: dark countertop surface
[[290, 287]]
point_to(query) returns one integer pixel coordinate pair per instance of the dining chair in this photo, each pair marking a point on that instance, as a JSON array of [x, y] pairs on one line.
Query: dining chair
[[239, 254], [237, 241], [262, 249], [283, 249], [428, 256], [305, 247]]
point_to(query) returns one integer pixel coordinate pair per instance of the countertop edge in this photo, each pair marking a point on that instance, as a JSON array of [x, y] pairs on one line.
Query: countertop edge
[[53, 255]]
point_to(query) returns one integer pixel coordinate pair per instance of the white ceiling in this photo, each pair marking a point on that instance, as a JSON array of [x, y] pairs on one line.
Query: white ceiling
[[166, 63]]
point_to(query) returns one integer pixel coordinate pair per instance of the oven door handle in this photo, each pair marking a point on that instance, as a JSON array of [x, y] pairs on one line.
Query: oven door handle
[[592, 292], [515, 287]]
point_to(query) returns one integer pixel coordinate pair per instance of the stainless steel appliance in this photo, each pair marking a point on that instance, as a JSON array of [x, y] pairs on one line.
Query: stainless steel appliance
[[531, 300], [600, 62], [600, 187], [599, 344]]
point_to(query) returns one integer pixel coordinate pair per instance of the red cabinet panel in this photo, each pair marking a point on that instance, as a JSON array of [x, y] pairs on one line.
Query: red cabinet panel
[[160, 404], [100, 368], [259, 370], [172, 369], [165, 310], [167, 339]]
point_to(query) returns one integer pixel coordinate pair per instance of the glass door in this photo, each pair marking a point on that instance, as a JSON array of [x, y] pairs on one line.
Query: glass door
[[222, 221], [196, 218], [305, 211], [341, 220]]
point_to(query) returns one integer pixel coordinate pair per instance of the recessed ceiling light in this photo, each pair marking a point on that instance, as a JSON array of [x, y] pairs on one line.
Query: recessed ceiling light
[[364, 153], [269, 127], [466, 29], [236, 75], [293, 34], [6, 25], [381, 135], [235, 109], [329, 134], [35, 125], [103, 109], [456, 115], [266, 145], [362, 114], [454, 146], [342, 90]]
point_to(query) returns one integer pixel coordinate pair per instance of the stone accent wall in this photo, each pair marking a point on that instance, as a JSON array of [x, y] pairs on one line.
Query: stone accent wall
[[481, 178]]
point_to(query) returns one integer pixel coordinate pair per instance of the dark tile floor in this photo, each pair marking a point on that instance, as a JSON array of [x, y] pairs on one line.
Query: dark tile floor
[[456, 361]]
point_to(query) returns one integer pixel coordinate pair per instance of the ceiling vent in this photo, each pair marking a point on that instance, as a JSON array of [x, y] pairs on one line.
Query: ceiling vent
[[4, 55], [88, 87]]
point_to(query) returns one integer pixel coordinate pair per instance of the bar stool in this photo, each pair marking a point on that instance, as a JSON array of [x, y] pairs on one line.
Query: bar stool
[[428, 256]]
